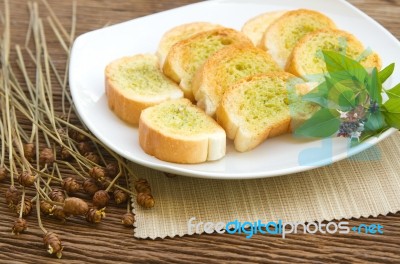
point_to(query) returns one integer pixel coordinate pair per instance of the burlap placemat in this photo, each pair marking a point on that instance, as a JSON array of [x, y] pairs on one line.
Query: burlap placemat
[[367, 184]]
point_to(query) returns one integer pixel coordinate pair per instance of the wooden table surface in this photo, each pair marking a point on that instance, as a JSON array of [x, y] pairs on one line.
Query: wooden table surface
[[109, 242]]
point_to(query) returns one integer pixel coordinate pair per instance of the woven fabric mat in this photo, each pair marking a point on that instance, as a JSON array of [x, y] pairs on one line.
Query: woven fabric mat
[[367, 184]]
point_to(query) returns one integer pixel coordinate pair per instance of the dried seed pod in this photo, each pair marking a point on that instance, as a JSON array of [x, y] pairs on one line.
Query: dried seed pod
[[97, 173], [58, 213], [26, 207], [84, 147], [120, 196], [93, 157], [75, 135], [57, 195], [3, 174], [170, 175], [65, 154], [70, 185], [46, 208], [46, 156], [142, 186], [112, 169], [53, 244], [145, 200], [13, 196], [29, 151], [95, 216], [26, 179], [75, 206], [90, 186], [128, 219], [101, 199], [20, 225]]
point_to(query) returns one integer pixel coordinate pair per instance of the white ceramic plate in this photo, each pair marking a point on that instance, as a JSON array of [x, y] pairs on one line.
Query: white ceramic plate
[[283, 155]]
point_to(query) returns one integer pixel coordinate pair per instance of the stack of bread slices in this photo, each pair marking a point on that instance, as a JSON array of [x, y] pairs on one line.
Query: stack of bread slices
[[208, 82]]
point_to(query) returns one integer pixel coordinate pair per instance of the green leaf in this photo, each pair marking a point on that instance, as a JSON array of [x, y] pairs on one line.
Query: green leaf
[[374, 87], [391, 111], [392, 105], [376, 121], [394, 92], [341, 96], [323, 123], [319, 95], [341, 67], [385, 73]]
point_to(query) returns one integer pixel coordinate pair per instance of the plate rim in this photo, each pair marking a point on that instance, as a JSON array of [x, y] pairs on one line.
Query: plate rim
[[173, 167]]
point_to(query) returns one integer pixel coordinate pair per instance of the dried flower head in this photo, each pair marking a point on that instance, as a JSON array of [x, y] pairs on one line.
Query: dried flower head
[[112, 169], [128, 219], [145, 200], [20, 225], [95, 216], [13, 196], [26, 179], [58, 213], [29, 151], [25, 206], [46, 208], [90, 186], [70, 185], [97, 173], [75, 206], [53, 244], [75, 135], [84, 147], [46, 156], [142, 186], [120, 196], [101, 199], [65, 154], [93, 157], [3, 174], [57, 195]]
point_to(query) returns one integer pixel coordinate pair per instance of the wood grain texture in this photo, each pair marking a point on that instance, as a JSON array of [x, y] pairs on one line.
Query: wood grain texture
[[110, 242]]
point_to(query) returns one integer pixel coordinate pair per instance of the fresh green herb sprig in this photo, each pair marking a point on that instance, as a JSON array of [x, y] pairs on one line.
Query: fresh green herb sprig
[[351, 101]]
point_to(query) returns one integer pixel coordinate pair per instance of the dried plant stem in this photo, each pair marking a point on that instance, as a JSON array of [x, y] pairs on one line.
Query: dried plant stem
[[21, 209], [55, 18], [39, 217], [114, 180], [6, 86]]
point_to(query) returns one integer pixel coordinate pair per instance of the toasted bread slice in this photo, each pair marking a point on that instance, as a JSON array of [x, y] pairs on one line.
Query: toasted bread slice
[[135, 83], [307, 61], [224, 68], [256, 108], [177, 131], [187, 56], [179, 33], [255, 28], [283, 34], [300, 110]]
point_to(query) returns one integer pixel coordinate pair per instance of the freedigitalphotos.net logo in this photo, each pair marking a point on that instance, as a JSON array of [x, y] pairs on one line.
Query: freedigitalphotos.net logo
[[279, 227]]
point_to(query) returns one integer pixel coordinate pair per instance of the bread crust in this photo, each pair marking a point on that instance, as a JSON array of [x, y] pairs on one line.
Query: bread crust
[[295, 62], [209, 84], [125, 103], [185, 149], [273, 34], [181, 56], [255, 27], [179, 33], [245, 139]]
